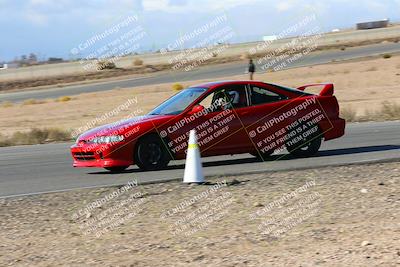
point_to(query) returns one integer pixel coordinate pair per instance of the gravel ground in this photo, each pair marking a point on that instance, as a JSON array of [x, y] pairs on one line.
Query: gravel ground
[[338, 216]]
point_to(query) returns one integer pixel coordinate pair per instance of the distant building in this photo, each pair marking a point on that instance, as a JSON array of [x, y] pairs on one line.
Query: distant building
[[12, 65], [373, 24], [9, 65], [55, 60], [269, 38]]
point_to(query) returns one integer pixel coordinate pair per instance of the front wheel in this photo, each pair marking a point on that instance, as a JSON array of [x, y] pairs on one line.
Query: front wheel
[[151, 153]]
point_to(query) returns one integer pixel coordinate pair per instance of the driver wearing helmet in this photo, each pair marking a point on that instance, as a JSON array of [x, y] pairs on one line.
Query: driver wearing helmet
[[233, 100], [226, 100]]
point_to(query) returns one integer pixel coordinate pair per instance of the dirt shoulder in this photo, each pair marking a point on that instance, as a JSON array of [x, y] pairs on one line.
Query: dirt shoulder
[[337, 216]]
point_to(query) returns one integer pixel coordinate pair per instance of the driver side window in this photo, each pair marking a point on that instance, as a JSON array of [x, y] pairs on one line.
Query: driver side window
[[226, 98], [207, 102], [213, 101]]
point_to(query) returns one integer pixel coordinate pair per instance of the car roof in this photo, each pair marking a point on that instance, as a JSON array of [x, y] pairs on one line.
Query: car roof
[[219, 83], [213, 85]]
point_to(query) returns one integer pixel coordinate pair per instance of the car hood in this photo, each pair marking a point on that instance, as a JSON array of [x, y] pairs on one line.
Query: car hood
[[111, 128]]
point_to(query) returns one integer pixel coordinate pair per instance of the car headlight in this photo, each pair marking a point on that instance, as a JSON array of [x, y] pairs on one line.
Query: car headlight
[[108, 139]]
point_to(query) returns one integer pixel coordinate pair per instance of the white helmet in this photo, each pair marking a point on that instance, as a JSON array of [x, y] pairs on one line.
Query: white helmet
[[234, 95]]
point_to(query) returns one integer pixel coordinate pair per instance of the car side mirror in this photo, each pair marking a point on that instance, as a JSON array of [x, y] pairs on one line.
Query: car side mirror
[[196, 109]]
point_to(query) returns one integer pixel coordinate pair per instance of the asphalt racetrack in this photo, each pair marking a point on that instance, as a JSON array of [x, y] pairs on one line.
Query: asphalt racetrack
[[206, 72], [47, 168]]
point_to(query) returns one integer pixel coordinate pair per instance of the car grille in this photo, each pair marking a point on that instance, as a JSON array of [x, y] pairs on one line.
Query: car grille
[[84, 156]]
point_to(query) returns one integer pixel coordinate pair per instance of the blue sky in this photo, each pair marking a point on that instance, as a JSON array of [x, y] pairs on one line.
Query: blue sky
[[54, 27]]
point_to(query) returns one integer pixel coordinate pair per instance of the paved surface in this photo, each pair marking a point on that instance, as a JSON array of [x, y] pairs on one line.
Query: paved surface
[[210, 72], [43, 168]]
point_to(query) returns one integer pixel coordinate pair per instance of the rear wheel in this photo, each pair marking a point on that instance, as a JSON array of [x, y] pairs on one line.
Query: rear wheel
[[151, 153], [116, 169], [306, 147], [262, 156]]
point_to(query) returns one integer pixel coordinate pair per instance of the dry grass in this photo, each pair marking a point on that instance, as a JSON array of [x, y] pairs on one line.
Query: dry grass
[[6, 104], [33, 102], [372, 69], [388, 111], [4, 141], [177, 87], [137, 62], [63, 99], [346, 71], [245, 56], [35, 136], [105, 65], [349, 114]]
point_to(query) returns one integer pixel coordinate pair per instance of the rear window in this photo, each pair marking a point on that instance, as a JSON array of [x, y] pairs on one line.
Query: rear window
[[260, 95], [289, 89]]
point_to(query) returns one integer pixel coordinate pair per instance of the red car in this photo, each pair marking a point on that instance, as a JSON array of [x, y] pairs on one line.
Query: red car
[[230, 117]]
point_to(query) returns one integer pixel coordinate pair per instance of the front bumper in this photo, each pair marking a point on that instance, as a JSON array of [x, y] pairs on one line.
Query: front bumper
[[101, 156]]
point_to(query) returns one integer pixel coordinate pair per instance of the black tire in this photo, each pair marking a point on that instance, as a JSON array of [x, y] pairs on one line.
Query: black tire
[[307, 148], [151, 153], [262, 156], [116, 169]]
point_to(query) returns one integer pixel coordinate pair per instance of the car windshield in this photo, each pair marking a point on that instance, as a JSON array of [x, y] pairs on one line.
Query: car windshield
[[178, 102]]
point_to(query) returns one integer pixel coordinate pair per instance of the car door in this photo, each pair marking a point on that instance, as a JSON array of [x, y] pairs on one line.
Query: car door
[[261, 126], [219, 128]]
